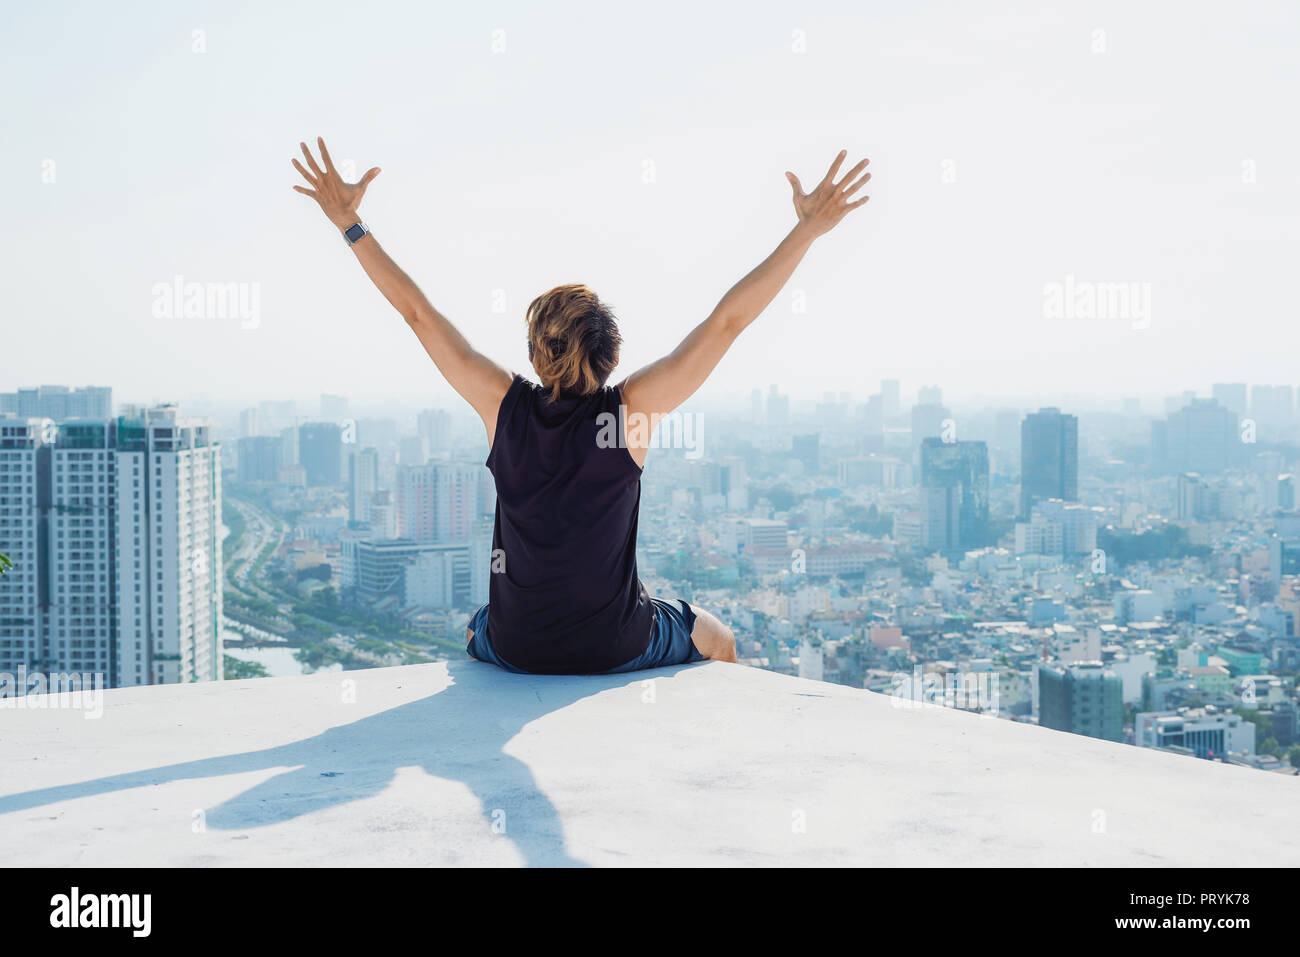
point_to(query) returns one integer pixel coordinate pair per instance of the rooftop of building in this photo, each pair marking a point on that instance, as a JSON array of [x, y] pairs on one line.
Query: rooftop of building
[[706, 764]]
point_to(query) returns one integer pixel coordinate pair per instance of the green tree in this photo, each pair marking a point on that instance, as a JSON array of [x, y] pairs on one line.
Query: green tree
[[5, 563], [1293, 756], [236, 669]]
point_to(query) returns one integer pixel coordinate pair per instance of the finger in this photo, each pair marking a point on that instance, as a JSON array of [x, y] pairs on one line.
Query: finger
[[370, 174], [794, 181], [305, 191], [325, 155], [856, 186], [835, 167], [858, 202], [848, 177], [310, 161], [305, 175]]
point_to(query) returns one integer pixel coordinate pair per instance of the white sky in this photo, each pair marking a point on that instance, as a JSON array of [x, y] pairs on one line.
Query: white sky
[[516, 171]]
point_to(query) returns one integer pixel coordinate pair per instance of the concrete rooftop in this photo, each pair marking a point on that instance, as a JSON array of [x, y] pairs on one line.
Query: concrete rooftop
[[709, 764]]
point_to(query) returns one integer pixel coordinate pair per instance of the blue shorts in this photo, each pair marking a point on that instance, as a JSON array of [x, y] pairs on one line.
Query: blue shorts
[[670, 640]]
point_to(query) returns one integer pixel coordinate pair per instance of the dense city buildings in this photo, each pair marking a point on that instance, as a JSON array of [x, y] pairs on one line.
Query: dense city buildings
[[58, 402], [1129, 573]]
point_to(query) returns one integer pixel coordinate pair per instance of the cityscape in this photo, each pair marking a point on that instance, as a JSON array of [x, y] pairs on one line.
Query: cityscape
[[1130, 574]]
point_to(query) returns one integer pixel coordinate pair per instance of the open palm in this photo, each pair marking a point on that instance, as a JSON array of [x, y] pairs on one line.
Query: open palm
[[338, 200], [829, 202]]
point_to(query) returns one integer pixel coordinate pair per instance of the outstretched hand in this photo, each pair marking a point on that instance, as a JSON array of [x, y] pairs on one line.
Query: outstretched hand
[[338, 200], [829, 202]]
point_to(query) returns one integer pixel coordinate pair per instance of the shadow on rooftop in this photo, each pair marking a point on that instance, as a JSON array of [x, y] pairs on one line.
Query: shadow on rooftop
[[459, 734]]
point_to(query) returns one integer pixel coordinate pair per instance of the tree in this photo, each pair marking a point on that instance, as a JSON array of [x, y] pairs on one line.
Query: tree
[[236, 669], [1293, 756], [5, 563]]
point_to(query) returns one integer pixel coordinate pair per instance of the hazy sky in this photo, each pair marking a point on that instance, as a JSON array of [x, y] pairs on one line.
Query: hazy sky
[[1149, 143]]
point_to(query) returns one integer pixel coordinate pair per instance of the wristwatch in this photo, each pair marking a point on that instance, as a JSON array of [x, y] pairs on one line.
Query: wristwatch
[[354, 233]]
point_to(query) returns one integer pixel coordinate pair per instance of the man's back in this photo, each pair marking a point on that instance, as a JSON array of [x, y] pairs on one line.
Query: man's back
[[565, 595]]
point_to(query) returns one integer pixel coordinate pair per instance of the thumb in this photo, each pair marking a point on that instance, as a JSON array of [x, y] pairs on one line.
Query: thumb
[[370, 174], [794, 181]]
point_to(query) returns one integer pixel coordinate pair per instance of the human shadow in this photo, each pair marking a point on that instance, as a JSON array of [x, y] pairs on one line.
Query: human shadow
[[458, 733]]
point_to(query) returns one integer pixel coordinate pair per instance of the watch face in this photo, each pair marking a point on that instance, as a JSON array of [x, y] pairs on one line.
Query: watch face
[[354, 232]]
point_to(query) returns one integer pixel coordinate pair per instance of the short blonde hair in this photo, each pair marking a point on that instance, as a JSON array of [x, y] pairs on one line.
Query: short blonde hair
[[573, 340]]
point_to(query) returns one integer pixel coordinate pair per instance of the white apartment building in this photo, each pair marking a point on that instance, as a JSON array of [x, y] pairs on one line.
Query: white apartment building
[[114, 530]]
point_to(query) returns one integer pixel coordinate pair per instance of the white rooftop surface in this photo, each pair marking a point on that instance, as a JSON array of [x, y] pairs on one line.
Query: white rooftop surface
[[709, 764]]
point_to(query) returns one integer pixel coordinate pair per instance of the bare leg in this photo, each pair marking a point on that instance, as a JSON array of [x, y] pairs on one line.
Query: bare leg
[[469, 636], [713, 639]]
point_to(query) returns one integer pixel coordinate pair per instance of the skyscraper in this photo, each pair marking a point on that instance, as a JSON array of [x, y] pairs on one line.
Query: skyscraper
[[333, 408], [778, 409], [260, 458], [363, 482], [806, 448], [439, 501], [113, 527], [248, 423], [889, 395], [955, 494], [320, 452], [1049, 458], [1273, 409], [1231, 395], [1201, 437], [435, 426]]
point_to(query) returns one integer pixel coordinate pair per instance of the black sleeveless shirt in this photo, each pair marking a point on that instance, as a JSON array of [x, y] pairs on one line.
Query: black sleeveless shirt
[[564, 596]]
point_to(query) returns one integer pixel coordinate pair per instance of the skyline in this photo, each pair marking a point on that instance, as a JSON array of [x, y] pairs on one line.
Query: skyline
[[1007, 157]]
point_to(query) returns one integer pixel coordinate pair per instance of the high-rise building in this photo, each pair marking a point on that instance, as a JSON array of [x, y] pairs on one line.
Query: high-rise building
[[1273, 409], [59, 403], [113, 527], [873, 424], [1049, 458], [889, 394], [1085, 698], [929, 395], [320, 452], [435, 426], [260, 458], [439, 501], [248, 424], [1201, 437], [778, 409], [333, 408], [955, 494], [363, 482], [806, 448], [1231, 395]]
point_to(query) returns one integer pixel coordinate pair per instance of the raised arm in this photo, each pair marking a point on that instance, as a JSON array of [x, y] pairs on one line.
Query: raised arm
[[479, 380], [666, 383]]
